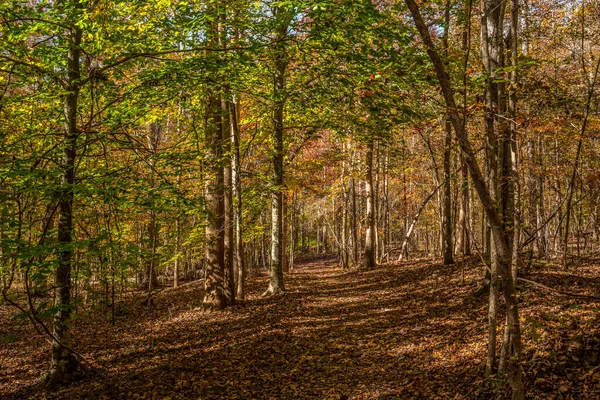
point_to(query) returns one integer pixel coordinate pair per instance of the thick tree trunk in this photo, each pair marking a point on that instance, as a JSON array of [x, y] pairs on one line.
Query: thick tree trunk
[[214, 230]]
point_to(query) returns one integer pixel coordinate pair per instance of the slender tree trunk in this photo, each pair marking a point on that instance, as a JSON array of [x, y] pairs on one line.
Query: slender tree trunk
[[492, 55], [582, 132], [276, 272], [150, 279], [284, 242], [344, 211], [411, 228], [64, 366], [386, 237], [228, 235], [447, 247], [177, 250], [355, 233], [293, 233], [513, 146], [236, 177], [369, 253], [376, 203], [463, 244]]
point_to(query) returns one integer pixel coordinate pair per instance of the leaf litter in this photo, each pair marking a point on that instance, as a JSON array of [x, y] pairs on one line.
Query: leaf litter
[[401, 331]]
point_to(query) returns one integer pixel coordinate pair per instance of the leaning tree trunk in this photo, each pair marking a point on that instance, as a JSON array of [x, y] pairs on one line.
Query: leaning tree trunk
[[410, 230], [64, 365], [490, 208]]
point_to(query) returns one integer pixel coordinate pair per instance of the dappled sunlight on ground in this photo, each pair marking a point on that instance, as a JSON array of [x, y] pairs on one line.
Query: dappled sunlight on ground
[[410, 330]]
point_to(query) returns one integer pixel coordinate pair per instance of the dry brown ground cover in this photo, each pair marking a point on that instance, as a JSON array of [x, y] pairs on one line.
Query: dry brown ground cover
[[398, 332]]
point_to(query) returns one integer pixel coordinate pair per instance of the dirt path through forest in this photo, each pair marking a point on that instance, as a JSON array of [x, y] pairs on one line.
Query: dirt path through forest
[[396, 332]]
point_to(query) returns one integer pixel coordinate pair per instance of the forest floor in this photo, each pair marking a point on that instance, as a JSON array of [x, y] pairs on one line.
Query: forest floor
[[401, 331]]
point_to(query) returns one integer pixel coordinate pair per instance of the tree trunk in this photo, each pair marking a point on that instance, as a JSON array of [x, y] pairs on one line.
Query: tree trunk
[[354, 228], [276, 272], [489, 206], [236, 177], [64, 366], [582, 132], [228, 237], [463, 244], [177, 250], [150, 278], [448, 249], [214, 230], [369, 253], [411, 228]]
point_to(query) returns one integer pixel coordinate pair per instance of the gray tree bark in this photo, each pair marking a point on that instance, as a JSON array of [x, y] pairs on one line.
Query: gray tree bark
[[490, 208], [240, 267], [276, 284], [64, 366], [369, 261]]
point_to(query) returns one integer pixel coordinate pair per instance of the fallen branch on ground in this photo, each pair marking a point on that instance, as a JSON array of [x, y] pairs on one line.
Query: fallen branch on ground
[[580, 295]]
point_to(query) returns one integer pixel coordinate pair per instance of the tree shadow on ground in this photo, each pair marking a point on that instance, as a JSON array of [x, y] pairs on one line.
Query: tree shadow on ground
[[395, 332]]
